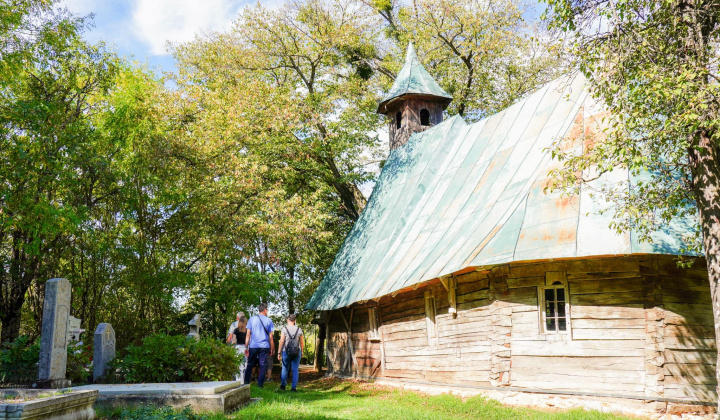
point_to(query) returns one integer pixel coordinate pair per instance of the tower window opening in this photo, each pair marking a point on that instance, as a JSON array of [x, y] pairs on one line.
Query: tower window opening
[[398, 120], [424, 117]]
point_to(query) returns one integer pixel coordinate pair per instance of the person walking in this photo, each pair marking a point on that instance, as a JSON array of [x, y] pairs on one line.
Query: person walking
[[237, 337], [258, 344], [292, 344]]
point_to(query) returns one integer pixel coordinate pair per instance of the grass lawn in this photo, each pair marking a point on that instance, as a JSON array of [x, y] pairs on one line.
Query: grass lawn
[[325, 398]]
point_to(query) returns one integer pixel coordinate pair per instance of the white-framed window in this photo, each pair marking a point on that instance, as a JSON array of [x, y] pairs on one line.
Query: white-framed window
[[554, 304]]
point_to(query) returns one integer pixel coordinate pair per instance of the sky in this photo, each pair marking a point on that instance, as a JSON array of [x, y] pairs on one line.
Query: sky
[[141, 28]]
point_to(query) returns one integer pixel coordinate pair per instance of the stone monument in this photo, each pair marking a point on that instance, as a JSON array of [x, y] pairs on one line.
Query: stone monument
[[104, 349], [194, 327], [74, 330], [53, 337]]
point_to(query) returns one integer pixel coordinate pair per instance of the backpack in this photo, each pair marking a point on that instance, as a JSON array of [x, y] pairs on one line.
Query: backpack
[[292, 345]]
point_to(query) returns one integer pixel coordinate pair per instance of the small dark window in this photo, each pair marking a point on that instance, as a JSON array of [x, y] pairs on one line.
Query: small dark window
[[555, 315], [424, 117], [398, 120]]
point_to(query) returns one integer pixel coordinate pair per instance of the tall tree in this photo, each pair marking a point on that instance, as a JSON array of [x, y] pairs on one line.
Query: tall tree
[[485, 54], [654, 65], [47, 74]]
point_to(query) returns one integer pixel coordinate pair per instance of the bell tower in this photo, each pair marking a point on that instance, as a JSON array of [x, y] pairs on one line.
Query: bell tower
[[415, 102]]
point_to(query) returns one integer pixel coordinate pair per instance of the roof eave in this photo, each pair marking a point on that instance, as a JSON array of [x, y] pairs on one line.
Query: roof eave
[[385, 104]]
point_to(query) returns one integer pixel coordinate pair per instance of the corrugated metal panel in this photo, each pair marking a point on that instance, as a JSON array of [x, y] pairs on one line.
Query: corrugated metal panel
[[461, 195]]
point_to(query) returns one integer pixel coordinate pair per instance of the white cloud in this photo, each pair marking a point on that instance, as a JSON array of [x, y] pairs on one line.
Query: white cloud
[[154, 22]]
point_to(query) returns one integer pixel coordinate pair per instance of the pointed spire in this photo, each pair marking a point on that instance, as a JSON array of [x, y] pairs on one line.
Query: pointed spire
[[413, 79]]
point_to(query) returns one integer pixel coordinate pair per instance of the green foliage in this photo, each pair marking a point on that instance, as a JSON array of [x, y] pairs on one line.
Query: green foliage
[[151, 413], [654, 66], [20, 355], [166, 358], [357, 400], [79, 357]]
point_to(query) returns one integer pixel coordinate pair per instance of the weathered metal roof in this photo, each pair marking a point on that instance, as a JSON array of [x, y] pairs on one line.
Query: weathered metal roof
[[414, 79], [460, 195]]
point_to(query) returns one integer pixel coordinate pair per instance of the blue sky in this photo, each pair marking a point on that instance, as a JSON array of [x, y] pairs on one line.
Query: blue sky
[[140, 28]]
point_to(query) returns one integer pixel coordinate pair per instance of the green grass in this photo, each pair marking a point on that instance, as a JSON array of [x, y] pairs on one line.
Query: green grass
[[333, 399]]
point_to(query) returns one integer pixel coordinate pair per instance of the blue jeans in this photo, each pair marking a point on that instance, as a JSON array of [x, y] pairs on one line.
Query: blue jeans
[[256, 357], [290, 363]]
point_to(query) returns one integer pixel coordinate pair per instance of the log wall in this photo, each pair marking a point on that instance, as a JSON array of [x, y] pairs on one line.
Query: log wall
[[638, 326]]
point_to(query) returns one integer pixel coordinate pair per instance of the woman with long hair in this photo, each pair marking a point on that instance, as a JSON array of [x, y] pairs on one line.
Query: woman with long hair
[[239, 333]]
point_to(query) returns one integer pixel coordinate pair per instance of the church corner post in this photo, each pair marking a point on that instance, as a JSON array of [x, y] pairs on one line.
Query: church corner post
[[52, 365]]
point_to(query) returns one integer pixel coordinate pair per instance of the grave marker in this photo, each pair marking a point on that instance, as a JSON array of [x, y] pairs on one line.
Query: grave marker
[[104, 349], [53, 337]]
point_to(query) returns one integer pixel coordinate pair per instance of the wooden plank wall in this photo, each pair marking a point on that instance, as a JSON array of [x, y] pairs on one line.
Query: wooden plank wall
[[638, 326]]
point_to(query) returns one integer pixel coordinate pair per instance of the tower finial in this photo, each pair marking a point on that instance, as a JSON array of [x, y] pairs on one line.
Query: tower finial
[[415, 101]]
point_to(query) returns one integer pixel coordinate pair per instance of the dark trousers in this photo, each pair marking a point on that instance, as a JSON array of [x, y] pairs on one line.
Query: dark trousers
[[257, 357]]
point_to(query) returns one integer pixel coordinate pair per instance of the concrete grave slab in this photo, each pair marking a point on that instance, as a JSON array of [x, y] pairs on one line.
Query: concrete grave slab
[[219, 397], [44, 405]]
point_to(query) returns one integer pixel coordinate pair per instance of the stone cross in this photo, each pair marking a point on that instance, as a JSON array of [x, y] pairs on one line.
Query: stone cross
[[103, 349], [74, 330], [53, 337], [194, 327]]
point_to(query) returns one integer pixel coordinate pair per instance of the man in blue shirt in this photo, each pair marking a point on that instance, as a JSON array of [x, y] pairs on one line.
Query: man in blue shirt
[[258, 343]]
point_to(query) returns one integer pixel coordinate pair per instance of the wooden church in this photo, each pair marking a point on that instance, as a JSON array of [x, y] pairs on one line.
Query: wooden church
[[463, 271]]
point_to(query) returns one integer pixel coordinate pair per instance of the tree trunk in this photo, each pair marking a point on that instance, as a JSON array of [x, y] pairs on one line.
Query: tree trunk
[[11, 322], [706, 185], [320, 348]]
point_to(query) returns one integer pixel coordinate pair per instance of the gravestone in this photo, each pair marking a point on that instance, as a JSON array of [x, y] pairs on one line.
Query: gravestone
[[53, 337], [104, 349], [74, 330], [194, 327]]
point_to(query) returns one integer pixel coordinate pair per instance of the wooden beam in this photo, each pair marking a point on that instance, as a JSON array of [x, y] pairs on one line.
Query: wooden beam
[[350, 344]]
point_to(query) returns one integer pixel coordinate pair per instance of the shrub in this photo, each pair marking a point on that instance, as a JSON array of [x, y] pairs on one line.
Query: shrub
[[150, 413], [78, 362], [209, 360], [18, 360], [167, 358]]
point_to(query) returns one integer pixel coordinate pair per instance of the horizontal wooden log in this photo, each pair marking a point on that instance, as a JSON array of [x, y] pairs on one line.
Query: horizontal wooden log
[[697, 392], [698, 357], [618, 298], [614, 285], [688, 318], [579, 363], [681, 283], [689, 343], [687, 296], [690, 374], [574, 384], [474, 296], [622, 323], [608, 334], [465, 288], [585, 348], [635, 311], [539, 373]]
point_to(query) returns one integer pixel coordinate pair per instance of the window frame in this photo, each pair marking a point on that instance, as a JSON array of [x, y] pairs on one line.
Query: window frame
[[429, 123], [398, 120], [554, 280]]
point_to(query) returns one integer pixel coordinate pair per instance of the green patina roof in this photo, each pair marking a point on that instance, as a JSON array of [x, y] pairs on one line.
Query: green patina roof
[[414, 79], [472, 195]]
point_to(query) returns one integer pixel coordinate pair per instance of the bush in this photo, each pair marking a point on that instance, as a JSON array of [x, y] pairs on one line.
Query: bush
[[167, 358], [149, 413], [78, 362], [18, 360]]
